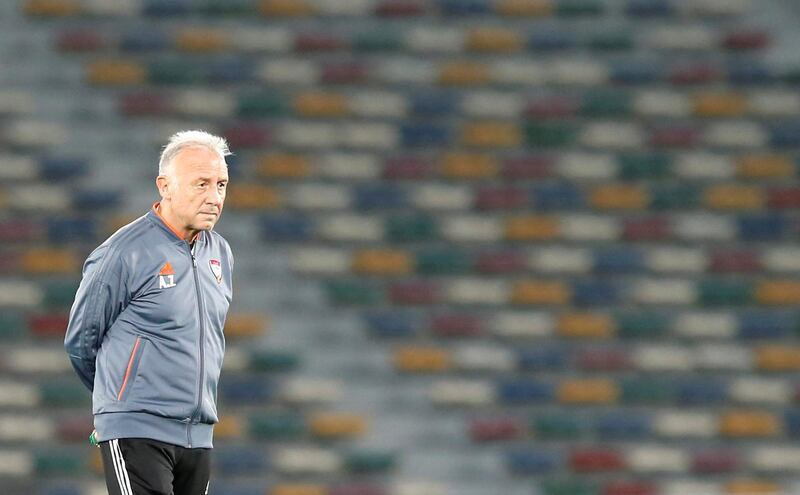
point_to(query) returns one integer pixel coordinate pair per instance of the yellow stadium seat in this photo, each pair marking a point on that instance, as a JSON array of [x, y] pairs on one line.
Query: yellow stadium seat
[[586, 325], [753, 487], [115, 73], [469, 166], [494, 39], [316, 104], [719, 104], [778, 358], [734, 197], [229, 426], [780, 292], [285, 8], [253, 196], [51, 8], [115, 222], [284, 166], [50, 261], [492, 134], [245, 325], [201, 40], [588, 391], [298, 489], [540, 292], [382, 262], [763, 166], [530, 8], [95, 460], [463, 74], [617, 196], [749, 424], [417, 359], [531, 228], [337, 425]]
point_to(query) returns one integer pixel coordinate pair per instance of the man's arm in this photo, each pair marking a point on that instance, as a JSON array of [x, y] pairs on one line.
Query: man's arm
[[101, 296]]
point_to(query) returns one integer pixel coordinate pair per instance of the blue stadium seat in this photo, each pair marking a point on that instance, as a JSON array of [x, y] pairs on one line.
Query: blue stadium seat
[[636, 72], [595, 292], [240, 460], [433, 104], [785, 134], [557, 196], [413, 135], [231, 70], [290, 228], [750, 72], [379, 197], [618, 260], [522, 391], [391, 324], [549, 40], [245, 389], [546, 358], [525, 461], [465, 7], [627, 425], [702, 391], [96, 199], [166, 8], [62, 168], [71, 230], [763, 227], [650, 8], [764, 324], [144, 39]]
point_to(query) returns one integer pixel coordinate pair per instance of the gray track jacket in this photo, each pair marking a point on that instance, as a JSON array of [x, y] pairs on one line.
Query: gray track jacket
[[145, 332]]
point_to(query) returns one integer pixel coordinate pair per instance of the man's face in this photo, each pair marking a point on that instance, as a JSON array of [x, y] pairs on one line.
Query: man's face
[[198, 180]]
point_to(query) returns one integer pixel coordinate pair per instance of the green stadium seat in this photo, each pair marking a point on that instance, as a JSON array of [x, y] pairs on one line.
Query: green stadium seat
[[666, 196], [440, 261], [59, 294], [277, 425], [612, 40], [370, 461], [213, 8], [633, 166], [550, 135], [410, 228], [605, 103], [569, 486], [13, 325], [557, 426], [65, 392], [725, 292], [579, 8], [647, 390], [270, 360], [345, 292], [174, 71], [641, 325], [60, 462], [382, 40], [262, 104]]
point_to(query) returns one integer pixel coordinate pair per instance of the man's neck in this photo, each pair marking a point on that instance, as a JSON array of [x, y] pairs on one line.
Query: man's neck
[[164, 211]]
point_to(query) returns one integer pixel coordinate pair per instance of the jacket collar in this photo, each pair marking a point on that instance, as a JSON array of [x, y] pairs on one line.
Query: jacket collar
[[156, 217]]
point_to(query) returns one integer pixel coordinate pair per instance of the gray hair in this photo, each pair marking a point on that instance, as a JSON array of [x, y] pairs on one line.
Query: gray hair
[[189, 139]]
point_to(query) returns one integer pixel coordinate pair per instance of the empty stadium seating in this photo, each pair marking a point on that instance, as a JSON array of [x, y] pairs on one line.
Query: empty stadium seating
[[541, 247]]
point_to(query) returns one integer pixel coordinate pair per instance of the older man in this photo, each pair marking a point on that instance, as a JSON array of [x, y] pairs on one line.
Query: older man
[[145, 330]]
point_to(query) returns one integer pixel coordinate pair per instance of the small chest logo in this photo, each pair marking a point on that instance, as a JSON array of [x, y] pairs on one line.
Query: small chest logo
[[216, 269], [166, 277]]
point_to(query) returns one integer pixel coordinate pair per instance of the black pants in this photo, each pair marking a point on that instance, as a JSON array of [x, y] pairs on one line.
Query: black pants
[[140, 466]]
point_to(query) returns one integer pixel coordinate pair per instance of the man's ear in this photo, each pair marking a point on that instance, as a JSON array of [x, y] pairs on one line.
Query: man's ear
[[162, 183]]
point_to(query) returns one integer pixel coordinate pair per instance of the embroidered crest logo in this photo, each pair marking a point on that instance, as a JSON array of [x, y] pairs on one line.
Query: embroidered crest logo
[[166, 277], [216, 269]]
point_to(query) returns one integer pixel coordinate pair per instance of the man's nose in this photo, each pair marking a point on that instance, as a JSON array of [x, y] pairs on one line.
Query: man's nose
[[214, 197]]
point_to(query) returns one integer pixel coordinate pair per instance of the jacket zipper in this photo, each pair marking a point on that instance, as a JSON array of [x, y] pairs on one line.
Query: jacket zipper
[[128, 369], [202, 338]]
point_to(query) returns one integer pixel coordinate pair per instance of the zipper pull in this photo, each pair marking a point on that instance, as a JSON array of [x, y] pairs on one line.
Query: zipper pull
[[194, 261]]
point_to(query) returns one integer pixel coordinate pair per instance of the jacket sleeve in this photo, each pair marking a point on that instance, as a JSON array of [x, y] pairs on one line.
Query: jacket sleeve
[[101, 297]]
